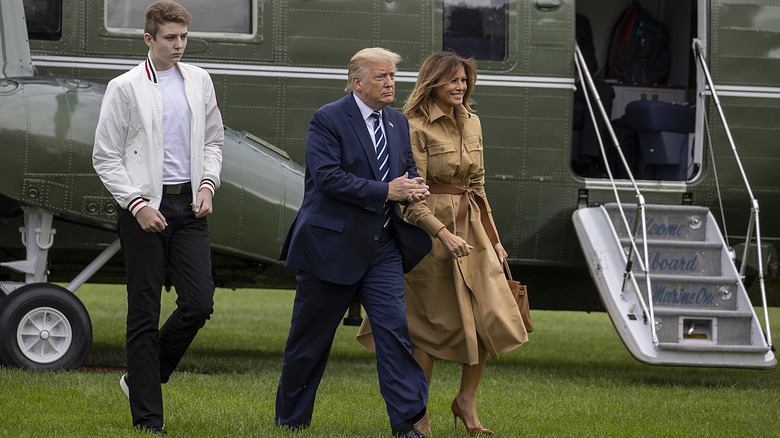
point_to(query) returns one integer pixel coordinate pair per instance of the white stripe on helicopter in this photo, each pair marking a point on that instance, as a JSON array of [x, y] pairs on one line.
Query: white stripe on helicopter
[[340, 74], [290, 72]]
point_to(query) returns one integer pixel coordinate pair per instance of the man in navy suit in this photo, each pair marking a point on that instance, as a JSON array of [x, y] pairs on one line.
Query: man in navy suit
[[349, 240]]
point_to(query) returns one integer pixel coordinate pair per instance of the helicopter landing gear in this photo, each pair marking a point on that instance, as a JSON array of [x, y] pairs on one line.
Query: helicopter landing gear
[[42, 326]]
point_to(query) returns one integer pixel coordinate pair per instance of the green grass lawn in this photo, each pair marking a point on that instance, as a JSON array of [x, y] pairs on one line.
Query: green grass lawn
[[573, 379]]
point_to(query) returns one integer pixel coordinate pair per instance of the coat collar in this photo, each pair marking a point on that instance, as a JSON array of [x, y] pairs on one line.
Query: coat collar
[[359, 126], [151, 71], [435, 113], [365, 111]]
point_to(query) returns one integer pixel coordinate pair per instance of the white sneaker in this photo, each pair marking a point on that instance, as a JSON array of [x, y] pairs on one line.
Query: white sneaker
[[123, 385]]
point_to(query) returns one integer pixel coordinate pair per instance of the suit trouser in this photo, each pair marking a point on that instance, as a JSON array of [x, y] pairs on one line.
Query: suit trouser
[[318, 309], [152, 353]]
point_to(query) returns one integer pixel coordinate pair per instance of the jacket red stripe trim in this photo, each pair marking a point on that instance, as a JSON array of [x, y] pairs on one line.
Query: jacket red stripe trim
[[135, 204]]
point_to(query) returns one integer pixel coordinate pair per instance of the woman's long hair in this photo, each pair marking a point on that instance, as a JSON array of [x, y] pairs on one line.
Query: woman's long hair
[[437, 70]]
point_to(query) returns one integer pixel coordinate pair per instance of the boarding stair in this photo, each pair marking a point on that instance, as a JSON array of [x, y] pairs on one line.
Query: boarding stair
[[665, 274], [698, 313]]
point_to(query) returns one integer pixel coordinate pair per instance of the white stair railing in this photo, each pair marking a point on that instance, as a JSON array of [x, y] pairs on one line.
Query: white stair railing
[[753, 223], [640, 218]]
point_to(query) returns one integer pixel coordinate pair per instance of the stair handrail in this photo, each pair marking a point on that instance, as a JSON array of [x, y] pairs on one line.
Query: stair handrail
[[579, 62], [753, 223]]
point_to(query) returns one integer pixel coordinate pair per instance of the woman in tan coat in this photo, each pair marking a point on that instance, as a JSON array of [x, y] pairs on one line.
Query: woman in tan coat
[[459, 306]]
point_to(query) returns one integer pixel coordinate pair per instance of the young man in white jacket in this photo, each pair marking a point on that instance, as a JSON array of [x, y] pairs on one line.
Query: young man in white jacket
[[158, 150]]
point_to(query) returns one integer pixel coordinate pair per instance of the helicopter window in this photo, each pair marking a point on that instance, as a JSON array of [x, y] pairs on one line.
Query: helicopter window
[[208, 16], [477, 28], [44, 19]]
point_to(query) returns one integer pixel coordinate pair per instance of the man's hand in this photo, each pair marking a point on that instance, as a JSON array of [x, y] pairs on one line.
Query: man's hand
[[202, 206], [404, 188], [151, 220]]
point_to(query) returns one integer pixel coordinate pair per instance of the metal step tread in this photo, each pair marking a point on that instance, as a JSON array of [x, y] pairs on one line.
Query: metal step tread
[[713, 347], [674, 243], [662, 207], [687, 311], [709, 279]]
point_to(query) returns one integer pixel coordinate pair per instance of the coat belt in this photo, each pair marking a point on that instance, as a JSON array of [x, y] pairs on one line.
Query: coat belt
[[463, 189]]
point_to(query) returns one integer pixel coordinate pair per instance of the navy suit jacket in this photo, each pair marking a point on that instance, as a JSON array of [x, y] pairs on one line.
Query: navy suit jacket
[[334, 235]]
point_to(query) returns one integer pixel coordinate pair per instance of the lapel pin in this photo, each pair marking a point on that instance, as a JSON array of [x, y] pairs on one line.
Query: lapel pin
[[391, 124]]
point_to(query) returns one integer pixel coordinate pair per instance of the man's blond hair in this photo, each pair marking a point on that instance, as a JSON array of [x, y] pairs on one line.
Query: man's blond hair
[[362, 60]]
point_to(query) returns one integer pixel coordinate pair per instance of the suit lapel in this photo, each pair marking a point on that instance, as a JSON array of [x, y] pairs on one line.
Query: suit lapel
[[359, 126]]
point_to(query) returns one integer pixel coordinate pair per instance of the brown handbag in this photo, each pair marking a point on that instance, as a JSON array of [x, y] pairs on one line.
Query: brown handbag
[[520, 293]]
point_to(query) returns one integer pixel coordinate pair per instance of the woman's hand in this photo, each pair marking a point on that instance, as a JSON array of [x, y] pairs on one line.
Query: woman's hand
[[454, 244], [500, 252]]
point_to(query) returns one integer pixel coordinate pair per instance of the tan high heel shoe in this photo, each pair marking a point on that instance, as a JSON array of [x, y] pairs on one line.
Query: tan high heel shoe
[[457, 413]]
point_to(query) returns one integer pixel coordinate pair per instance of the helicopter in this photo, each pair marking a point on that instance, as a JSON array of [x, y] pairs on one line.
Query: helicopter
[[564, 225]]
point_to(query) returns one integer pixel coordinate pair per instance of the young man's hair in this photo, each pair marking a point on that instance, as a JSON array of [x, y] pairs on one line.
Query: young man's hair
[[362, 60], [159, 13]]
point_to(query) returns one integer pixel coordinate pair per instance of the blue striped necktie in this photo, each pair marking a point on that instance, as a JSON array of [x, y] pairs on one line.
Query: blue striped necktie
[[381, 157]]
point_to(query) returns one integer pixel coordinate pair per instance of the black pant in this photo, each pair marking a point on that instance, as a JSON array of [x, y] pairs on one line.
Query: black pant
[[152, 353]]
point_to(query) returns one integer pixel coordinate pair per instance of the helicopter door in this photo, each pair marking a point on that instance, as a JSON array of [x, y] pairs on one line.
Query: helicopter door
[[639, 57], [523, 53]]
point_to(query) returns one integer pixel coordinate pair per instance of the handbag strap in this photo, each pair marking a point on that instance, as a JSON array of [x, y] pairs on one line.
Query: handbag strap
[[507, 271]]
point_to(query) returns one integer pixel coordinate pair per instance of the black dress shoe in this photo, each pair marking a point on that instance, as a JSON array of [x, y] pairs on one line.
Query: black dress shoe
[[414, 433], [154, 430]]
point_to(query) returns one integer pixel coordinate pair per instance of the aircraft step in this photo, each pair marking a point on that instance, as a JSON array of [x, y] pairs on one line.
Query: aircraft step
[[713, 348], [686, 291], [701, 278], [702, 314], [679, 257], [676, 311], [672, 222], [697, 326], [673, 244]]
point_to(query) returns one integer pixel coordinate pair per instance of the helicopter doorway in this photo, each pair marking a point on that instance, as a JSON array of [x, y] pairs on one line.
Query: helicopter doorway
[[639, 56]]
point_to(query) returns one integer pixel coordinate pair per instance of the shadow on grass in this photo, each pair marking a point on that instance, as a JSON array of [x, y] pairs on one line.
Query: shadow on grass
[[614, 368], [632, 373], [215, 360]]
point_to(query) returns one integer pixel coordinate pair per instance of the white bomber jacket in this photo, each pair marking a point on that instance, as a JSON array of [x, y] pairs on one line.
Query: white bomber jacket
[[128, 152]]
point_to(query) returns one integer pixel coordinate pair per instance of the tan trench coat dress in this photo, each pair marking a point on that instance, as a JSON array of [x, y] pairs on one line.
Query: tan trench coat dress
[[453, 303]]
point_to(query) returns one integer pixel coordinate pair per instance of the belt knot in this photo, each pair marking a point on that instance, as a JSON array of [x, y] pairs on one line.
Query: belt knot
[[464, 189]]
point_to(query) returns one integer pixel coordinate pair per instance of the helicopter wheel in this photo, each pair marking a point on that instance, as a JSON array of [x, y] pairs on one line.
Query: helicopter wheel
[[44, 327]]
